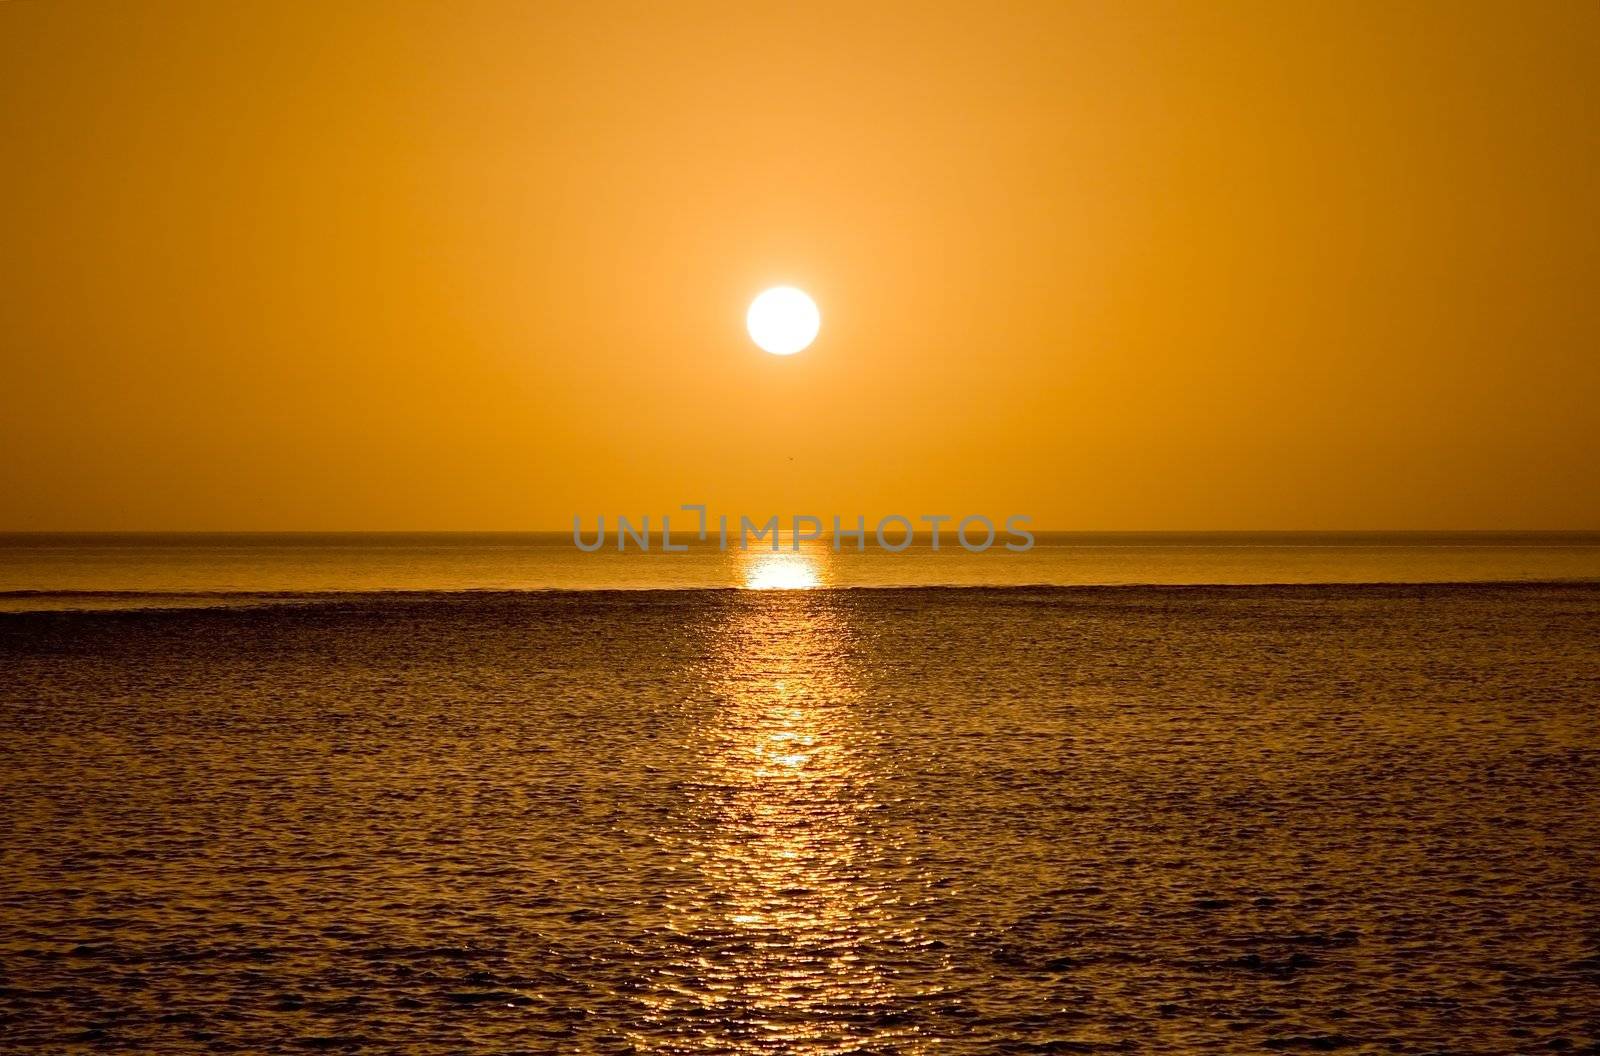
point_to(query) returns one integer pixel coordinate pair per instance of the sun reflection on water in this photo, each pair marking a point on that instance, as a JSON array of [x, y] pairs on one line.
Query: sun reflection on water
[[789, 917], [786, 569]]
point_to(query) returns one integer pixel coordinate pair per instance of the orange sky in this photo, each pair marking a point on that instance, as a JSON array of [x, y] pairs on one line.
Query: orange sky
[[485, 265]]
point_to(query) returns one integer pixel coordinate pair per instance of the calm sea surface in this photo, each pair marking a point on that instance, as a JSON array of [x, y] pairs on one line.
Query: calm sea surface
[[1157, 818], [78, 571]]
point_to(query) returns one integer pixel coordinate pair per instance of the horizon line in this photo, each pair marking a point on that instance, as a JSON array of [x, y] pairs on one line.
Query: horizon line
[[8, 533]]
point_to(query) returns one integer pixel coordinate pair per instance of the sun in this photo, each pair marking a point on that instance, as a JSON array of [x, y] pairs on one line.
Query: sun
[[783, 320]]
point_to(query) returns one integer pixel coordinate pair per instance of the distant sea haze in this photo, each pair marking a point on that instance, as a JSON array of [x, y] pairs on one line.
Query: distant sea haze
[[98, 570]]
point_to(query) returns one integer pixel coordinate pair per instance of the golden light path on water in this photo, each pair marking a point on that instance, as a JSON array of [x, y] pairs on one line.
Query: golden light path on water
[[790, 916], [785, 569]]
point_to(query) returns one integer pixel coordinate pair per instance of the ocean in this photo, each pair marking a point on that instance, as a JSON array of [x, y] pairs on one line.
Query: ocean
[[442, 794], [138, 570]]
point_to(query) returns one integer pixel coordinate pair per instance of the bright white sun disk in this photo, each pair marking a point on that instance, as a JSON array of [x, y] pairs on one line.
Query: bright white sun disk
[[783, 320]]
